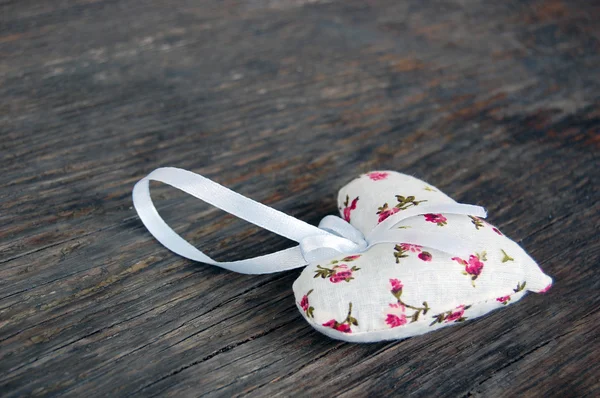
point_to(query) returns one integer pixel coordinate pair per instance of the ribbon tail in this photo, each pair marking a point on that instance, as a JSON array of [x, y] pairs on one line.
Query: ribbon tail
[[444, 208]]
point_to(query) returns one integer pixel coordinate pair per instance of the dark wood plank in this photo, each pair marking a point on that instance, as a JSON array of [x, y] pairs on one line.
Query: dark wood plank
[[496, 103]]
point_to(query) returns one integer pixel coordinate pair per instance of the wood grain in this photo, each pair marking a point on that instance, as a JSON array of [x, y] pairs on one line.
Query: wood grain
[[496, 103]]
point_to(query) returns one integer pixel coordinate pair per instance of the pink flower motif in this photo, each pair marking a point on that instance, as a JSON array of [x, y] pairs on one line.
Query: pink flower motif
[[456, 314], [503, 300], [412, 248], [395, 320], [438, 219], [330, 324], [340, 276], [304, 303], [385, 214], [342, 327], [459, 260], [425, 256], [377, 175], [396, 285], [348, 209], [544, 290], [474, 266], [398, 305], [342, 273], [351, 258]]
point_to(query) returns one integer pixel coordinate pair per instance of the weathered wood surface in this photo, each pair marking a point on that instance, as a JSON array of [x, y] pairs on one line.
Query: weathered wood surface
[[497, 103]]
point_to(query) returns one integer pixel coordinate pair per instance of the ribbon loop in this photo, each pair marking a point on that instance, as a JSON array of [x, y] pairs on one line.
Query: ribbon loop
[[333, 236], [346, 240], [343, 228], [231, 202]]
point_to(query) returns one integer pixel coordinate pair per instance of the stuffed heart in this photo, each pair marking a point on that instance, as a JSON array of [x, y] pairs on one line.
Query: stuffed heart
[[403, 260], [398, 290]]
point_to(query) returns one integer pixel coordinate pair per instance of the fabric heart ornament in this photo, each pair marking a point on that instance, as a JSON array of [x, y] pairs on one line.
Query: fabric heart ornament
[[402, 260]]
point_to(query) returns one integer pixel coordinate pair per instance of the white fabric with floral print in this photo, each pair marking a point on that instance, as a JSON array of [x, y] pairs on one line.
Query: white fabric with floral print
[[394, 291]]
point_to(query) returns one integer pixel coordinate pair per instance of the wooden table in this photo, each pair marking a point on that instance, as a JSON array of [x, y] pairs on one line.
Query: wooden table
[[497, 103]]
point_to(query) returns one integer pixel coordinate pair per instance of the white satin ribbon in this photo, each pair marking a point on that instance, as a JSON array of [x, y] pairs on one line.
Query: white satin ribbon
[[334, 235]]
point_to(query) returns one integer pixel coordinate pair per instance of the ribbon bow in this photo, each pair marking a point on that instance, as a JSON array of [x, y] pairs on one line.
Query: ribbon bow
[[332, 237]]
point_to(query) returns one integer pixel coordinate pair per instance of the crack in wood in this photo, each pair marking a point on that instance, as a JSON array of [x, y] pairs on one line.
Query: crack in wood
[[210, 356]]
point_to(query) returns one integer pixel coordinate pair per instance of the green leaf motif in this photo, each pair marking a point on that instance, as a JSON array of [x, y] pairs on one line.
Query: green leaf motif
[[520, 287], [323, 272], [477, 222], [438, 319], [506, 257], [406, 202], [482, 256], [399, 253]]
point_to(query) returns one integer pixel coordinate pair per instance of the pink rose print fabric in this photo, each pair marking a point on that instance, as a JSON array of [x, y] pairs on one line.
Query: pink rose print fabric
[[396, 314], [396, 320], [479, 223], [411, 248], [351, 258], [473, 266], [338, 272], [384, 212], [396, 287], [349, 207], [404, 203], [505, 299], [378, 175], [404, 249], [305, 305], [346, 325], [455, 315], [438, 219], [400, 289], [425, 256]]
